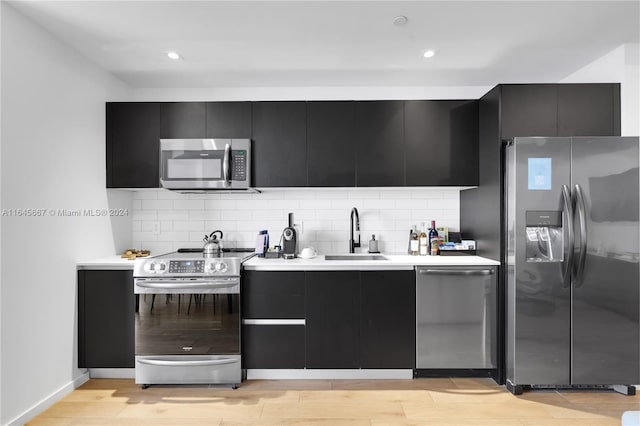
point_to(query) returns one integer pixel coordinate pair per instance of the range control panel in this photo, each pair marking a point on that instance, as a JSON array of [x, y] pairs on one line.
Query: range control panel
[[186, 266]]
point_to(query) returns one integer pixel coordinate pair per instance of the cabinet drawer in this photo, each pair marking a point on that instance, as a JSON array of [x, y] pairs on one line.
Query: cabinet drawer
[[278, 295], [273, 346]]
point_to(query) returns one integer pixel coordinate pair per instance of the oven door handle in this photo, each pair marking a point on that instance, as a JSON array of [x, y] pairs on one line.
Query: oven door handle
[[168, 363], [183, 285]]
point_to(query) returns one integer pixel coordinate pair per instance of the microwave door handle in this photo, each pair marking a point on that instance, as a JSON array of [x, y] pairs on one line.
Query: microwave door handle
[[225, 164]]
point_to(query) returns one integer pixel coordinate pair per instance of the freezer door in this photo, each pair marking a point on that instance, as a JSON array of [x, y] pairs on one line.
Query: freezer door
[[605, 295], [538, 298]]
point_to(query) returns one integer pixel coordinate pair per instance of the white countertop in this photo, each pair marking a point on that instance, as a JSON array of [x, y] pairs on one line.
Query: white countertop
[[110, 262], [394, 262]]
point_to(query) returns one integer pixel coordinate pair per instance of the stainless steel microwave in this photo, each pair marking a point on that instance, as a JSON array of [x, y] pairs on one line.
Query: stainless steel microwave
[[205, 164]]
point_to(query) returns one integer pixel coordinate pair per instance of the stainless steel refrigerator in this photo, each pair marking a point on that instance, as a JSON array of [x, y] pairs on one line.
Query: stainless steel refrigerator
[[572, 262]]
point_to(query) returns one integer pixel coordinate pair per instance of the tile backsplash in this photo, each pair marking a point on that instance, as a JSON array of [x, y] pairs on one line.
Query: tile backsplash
[[164, 221]]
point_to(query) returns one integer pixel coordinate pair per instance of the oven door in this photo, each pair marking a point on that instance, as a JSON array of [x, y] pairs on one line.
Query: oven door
[[199, 316], [205, 163]]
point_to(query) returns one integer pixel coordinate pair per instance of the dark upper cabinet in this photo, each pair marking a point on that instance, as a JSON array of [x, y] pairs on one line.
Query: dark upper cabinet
[[529, 110], [388, 320], [106, 315], [182, 120], [228, 120], [276, 295], [588, 110], [441, 142], [331, 142], [333, 319], [133, 134], [379, 143], [279, 144]]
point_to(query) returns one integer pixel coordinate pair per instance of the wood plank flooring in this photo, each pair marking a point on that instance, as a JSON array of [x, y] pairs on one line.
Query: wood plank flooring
[[430, 402]]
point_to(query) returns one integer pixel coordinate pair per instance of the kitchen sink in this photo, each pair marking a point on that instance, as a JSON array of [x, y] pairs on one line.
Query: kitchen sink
[[355, 256]]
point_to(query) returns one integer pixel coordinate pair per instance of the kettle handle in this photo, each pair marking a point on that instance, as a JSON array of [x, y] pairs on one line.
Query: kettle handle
[[212, 235]]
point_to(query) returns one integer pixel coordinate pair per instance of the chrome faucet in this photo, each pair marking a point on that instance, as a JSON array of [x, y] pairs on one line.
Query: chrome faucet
[[352, 243]]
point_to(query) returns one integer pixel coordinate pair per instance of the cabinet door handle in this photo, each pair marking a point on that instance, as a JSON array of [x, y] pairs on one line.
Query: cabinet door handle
[[456, 271], [273, 322]]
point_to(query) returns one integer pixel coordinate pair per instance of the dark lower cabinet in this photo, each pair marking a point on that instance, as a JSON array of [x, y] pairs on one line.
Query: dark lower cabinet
[[106, 313], [273, 346], [388, 319], [273, 295], [333, 319], [133, 144]]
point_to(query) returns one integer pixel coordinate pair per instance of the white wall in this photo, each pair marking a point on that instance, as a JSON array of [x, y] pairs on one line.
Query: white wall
[[621, 65], [323, 214], [53, 157]]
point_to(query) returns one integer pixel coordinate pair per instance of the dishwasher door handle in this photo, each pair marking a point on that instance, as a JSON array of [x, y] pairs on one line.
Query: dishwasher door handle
[[455, 271], [170, 363]]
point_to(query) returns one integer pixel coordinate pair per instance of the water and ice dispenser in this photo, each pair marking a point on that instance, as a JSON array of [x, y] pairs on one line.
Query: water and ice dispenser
[[544, 236]]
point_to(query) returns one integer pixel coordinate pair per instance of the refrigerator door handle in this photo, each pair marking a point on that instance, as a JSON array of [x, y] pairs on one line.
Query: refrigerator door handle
[[582, 216], [568, 214]]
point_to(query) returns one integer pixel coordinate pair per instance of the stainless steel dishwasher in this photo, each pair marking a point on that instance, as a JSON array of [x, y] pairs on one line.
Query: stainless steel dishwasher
[[456, 317]]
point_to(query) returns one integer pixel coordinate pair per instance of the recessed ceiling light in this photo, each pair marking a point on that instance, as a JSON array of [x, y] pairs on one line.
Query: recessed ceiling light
[[429, 54], [400, 21], [173, 55]]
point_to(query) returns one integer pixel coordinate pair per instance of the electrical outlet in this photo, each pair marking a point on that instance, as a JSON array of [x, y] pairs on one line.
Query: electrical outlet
[[155, 228]]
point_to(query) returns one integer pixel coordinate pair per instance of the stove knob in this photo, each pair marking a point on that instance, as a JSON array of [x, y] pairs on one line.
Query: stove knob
[[160, 267], [221, 267], [149, 266], [210, 268]]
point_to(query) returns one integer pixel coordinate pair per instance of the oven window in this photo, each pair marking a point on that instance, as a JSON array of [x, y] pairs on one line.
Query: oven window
[[187, 324], [194, 168]]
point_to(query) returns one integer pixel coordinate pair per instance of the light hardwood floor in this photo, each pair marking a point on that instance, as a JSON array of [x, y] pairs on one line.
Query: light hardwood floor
[[447, 402]]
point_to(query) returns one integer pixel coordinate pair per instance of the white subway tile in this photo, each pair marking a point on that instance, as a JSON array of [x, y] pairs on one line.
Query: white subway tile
[[188, 225], [146, 195], [195, 236], [220, 204], [267, 214], [322, 247], [136, 204], [204, 214], [285, 205], [235, 196], [380, 204], [332, 194], [444, 204], [156, 247], [300, 195], [157, 204], [300, 214], [166, 226], [164, 194], [346, 205], [250, 204], [235, 215], [363, 193], [332, 215], [413, 204], [144, 236], [339, 225], [315, 204], [268, 195], [451, 193], [394, 194], [136, 225], [223, 225], [426, 193], [143, 215], [173, 215], [207, 196], [188, 204], [172, 236]]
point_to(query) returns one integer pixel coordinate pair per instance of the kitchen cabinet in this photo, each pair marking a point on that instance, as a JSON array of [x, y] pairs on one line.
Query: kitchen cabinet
[[182, 120], [333, 319], [106, 313], [529, 110], [379, 143], [387, 321], [133, 148], [279, 144], [588, 110], [268, 298], [331, 143], [228, 120], [441, 143]]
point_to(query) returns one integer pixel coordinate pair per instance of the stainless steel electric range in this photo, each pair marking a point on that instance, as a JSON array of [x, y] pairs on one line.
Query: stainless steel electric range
[[187, 328]]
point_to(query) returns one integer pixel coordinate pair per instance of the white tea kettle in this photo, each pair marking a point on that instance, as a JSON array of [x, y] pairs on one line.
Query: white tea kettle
[[212, 244]]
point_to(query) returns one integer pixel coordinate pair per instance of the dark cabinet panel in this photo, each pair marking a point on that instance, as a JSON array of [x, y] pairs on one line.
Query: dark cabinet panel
[[441, 143], [333, 319], [528, 110], [273, 295], [280, 144], [133, 144], [331, 141], [388, 321], [106, 313], [182, 120], [588, 110], [273, 346], [380, 147], [228, 120]]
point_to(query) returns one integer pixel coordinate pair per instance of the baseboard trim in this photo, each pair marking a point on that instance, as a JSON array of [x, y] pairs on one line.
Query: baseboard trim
[[112, 373], [328, 374], [47, 402]]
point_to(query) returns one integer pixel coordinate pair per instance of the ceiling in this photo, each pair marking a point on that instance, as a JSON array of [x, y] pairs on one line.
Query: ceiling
[[338, 43]]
